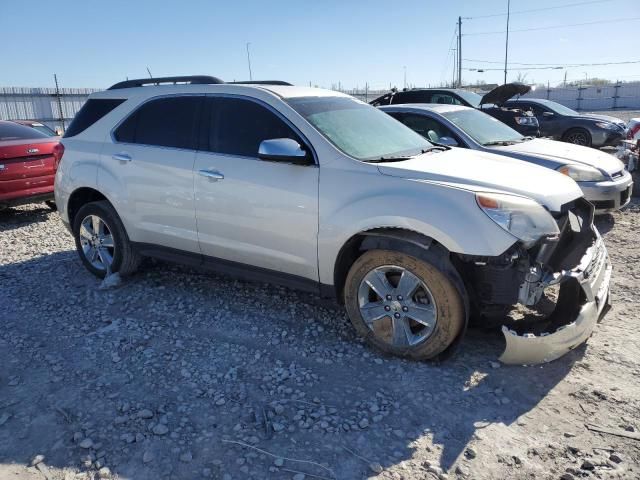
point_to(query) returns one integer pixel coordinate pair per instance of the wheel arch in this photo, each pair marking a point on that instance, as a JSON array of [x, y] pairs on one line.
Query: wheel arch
[[81, 196], [385, 238]]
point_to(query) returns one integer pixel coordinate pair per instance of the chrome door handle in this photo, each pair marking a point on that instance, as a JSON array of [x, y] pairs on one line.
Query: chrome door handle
[[122, 157], [212, 175]]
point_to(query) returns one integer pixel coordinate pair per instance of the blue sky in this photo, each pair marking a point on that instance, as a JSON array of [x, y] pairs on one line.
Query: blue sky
[[94, 44]]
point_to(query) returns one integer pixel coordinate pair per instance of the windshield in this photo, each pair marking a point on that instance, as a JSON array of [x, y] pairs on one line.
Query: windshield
[[359, 130], [558, 108], [471, 98], [483, 128]]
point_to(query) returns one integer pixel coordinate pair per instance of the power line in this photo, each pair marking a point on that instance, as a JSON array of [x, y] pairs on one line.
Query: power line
[[555, 65], [538, 9], [615, 20]]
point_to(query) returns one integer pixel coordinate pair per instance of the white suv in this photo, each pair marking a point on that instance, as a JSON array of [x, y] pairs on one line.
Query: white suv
[[316, 190]]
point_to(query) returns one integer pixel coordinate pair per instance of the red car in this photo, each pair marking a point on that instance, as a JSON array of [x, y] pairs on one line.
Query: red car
[[28, 163]]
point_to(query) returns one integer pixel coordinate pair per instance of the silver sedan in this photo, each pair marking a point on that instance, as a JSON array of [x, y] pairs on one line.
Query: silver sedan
[[603, 178]]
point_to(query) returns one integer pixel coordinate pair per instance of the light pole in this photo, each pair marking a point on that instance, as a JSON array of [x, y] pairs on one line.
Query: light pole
[[506, 43], [405, 76], [249, 61]]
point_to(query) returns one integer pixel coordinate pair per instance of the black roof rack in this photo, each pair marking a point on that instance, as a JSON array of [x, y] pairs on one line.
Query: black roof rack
[[191, 79], [264, 82]]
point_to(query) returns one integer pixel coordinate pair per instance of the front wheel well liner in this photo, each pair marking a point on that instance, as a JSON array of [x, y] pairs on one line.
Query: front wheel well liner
[[80, 197], [406, 241]]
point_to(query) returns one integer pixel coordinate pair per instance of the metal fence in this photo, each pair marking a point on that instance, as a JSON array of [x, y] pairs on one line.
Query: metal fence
[[42, 104], [594, 98]]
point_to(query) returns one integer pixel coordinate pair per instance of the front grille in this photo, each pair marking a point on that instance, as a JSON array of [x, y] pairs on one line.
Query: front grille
[[624, 196], [599, 257], [604, 204]]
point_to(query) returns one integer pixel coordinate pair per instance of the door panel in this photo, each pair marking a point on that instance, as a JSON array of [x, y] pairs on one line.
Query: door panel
[[262, 213], [153, 184]]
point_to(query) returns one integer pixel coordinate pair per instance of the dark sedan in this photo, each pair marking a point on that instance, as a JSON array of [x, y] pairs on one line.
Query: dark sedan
[[492, 103], [562, 123]]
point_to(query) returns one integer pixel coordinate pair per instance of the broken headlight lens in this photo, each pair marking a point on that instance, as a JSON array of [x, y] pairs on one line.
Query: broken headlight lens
[[582, 173], [522, 217]]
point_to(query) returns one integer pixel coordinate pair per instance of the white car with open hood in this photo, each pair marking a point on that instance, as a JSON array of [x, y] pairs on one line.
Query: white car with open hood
[[316, 190]]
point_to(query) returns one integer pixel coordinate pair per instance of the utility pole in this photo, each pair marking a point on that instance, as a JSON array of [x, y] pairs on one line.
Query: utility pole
[[405, 76], [506, 43], [55, 79], [249, 61], [459, 52]]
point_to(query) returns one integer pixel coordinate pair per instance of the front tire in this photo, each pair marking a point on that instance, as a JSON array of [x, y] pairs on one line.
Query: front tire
[[578, 136], [403, 305], [102, 241]]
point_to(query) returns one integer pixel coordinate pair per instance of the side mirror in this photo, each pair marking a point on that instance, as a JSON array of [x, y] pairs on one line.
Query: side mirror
[[448, 141], [547, 114], [283, 150]]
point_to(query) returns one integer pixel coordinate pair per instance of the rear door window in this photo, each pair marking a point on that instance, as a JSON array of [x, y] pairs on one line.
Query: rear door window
[[412, 96], [163, 122], [92, 111], [445, 98], [237, 127]]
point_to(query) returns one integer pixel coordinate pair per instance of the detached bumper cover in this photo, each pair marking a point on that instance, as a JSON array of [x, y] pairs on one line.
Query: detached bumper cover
[[583, 300]]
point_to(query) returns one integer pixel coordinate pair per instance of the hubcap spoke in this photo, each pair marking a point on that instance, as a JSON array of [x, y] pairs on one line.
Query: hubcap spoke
[[401, 332], [378, 282], [97, 225], [423, 314], [84, 232], [407, 284], [372, 312], [107, 241]]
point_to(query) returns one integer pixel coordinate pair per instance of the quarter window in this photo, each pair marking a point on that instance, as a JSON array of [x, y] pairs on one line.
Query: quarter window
[[238, 126], [164, 122], [92, 111]]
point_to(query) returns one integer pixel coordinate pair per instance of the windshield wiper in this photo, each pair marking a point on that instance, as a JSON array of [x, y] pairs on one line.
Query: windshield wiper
[[401, 158], [502, 142], [389, 159]]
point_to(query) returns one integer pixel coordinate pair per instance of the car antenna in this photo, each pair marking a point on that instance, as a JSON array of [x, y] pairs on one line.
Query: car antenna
[[149, 72]]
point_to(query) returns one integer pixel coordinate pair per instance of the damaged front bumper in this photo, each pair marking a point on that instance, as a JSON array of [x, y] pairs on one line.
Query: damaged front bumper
[[583, 300]]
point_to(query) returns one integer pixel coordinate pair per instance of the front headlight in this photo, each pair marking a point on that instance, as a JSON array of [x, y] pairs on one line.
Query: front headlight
[[582, 173], [522, 217], [606, 125], [530, 121]]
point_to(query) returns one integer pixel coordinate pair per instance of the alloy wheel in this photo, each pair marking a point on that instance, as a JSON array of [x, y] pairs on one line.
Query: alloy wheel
[[97, 243], [397, 306], [578, 138]]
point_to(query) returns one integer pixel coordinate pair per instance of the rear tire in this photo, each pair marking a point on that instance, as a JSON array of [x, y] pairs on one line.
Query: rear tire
[[422, 323], [577, 136], [102, 241]]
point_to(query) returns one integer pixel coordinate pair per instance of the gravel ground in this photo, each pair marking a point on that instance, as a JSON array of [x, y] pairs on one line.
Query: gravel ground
[[179, 373]]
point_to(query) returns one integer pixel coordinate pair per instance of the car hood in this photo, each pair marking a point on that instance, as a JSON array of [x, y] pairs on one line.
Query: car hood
[[501, 94], [479, 171], [563, 153], [603, 118]]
